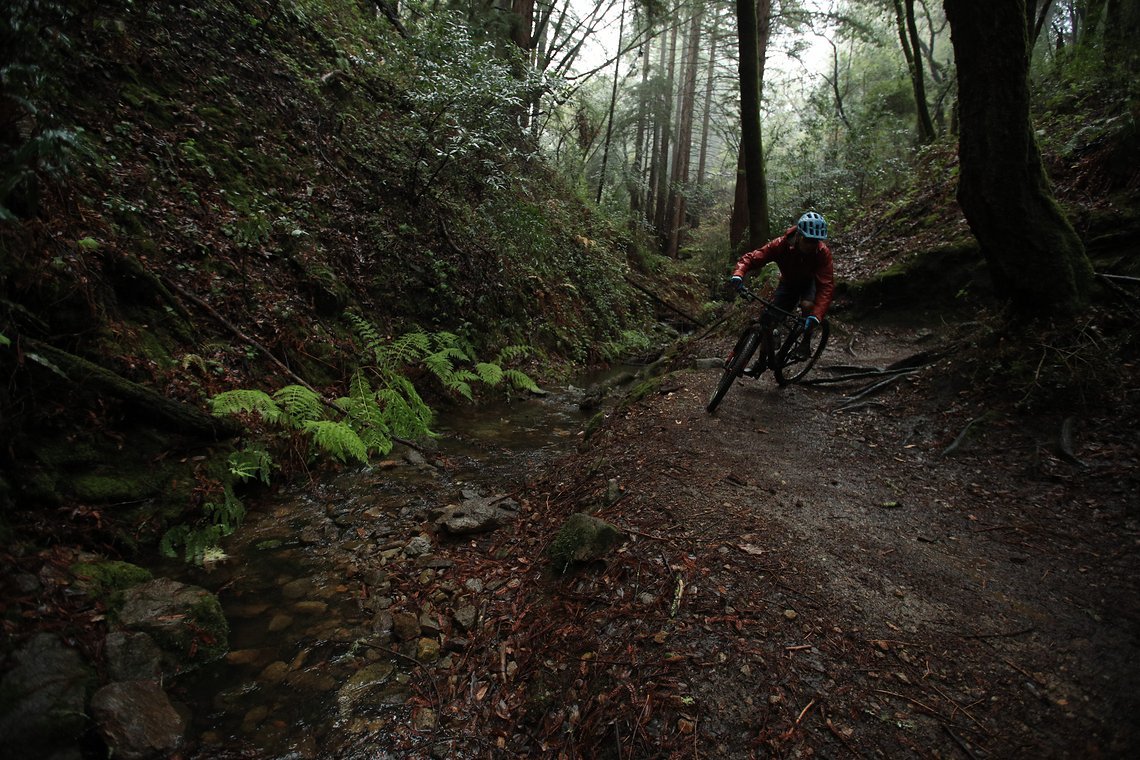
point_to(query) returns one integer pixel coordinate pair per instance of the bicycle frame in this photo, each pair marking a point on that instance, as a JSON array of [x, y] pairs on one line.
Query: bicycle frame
[[790, 356]]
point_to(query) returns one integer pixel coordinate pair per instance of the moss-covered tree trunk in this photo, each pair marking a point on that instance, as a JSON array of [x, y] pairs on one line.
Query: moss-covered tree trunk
[[1035, 256]]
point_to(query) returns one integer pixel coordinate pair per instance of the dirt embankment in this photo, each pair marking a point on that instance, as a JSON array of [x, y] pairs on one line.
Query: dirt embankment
[[806, 582]]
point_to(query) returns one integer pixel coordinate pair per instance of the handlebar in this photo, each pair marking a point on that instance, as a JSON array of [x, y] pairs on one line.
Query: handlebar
[[753, 295]]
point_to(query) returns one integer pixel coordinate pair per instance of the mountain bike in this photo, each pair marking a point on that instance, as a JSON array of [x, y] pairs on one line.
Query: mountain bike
[[783, 347]]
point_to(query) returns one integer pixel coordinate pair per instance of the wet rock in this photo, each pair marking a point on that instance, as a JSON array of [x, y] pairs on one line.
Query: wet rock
[[280, 622], [362, 683], [244, 656], [406, 626], [383, 623], [137, 720], [185, 621], [418, 546], [311, 607], [478, 515], [427, 650], [132, 656], [43, 697], [581, 538], [299, 588], [274, 673], [428, 624]]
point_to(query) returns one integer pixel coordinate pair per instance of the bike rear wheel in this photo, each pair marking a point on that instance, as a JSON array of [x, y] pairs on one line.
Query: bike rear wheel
[[795, 359], [746, 347]]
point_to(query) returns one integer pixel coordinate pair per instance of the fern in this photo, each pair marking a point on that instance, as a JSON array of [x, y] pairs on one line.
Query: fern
[[4, 340], [521, 380], [405, 350], [245, 400], [337, 440], [300, 404], [368, 334], [251, 462], [491, 374], [513, 353]]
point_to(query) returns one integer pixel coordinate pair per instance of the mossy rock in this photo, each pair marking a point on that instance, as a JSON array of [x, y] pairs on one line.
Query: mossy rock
[[581, 539], [185, 621], [102, 579]]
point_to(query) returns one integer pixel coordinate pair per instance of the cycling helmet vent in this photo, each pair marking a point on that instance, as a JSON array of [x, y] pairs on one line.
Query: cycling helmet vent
[[813, 225]]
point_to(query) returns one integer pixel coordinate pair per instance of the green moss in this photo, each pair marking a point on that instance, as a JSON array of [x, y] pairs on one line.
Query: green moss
[[581, 539], [594, 425], [102, 579], [104, 488], [210, 631]]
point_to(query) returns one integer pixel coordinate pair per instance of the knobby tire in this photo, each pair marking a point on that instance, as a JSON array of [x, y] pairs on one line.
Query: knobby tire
[[793, 371], [746, 348]]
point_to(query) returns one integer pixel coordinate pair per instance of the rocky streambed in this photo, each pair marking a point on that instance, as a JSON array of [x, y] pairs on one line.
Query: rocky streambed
[[323, 629]]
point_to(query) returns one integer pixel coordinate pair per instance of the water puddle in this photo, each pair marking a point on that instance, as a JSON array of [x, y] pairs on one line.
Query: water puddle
[[326, 659]]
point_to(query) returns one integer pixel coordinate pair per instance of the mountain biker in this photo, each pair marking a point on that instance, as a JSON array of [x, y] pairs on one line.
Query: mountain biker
[[806, 273]]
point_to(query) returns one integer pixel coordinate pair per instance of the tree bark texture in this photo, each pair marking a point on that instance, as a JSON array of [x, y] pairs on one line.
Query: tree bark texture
[[1035, 257], [752, 18]]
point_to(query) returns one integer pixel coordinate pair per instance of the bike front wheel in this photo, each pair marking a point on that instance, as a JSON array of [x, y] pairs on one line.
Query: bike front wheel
[[799, 353], [735, 367]]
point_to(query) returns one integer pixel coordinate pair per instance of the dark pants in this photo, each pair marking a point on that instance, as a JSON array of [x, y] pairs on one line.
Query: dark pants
[[789, 294]]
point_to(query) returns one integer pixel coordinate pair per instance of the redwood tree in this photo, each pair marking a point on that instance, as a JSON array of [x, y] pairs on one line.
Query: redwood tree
[[1034, 255], [752, 32]]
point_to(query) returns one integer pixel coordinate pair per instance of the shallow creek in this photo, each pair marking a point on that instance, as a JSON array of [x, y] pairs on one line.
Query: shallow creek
[[324, 652]]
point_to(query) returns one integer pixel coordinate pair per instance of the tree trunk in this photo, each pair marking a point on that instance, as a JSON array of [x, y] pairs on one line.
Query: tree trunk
[[637, 191], [613, 103], [684, 142], [1035, 257], [752, 18], [659, 212], [908, 38], [706, 117]]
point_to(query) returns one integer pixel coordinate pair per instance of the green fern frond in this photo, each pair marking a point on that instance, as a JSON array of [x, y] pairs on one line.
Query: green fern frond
[[300, 404], [367, 333], [448, 340], [358, 386], [441, 363], [337, 439], [520, 380], [512, 353], [491, 374], [246, 400], [251, 462], [406, 417], [407, 349]]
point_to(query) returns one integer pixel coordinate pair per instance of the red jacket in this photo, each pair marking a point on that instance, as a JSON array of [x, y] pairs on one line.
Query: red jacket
[[795, 268]]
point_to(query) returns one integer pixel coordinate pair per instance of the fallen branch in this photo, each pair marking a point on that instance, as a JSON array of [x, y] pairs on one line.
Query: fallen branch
[[178, 416], [854, 376], [957, 443], [656, 298], [871, 390]]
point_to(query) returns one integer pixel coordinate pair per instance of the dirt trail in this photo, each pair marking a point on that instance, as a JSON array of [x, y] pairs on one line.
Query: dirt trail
[[802, 582]]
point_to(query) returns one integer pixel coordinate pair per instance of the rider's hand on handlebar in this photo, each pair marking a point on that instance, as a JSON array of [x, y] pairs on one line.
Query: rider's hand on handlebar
[[736, 281]]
